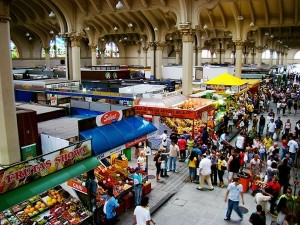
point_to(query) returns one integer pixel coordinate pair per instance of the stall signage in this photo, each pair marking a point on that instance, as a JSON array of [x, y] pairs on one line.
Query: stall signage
[[109, 117], [30, 170], [177, 113], [77, 185], [244, 86], [136, 141], [216, 87], [103, 93], [29, 85], [110, 152]]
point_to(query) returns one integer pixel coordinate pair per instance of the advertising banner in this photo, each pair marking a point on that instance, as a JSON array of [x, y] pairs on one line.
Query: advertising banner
[[28, 151], [31, 170]]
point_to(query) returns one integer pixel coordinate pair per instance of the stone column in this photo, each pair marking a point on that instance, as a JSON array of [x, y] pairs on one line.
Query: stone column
[[199, 63], [259, 55], [253, 58], [238, 58], [271, 58], [194, 55], [281, 59], [246, 58], [145, 49], [159, 51], [187, 64], [277, 59], [212, 56], [93, 53], [285, 58], [233, 58], [9, 138], [75, 47], [47, 56], [152, 46], [222, 51], [139, 57], [177, 60], [102, 50]]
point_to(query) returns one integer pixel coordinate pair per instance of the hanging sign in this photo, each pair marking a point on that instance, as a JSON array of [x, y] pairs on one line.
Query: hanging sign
[[109, 117]]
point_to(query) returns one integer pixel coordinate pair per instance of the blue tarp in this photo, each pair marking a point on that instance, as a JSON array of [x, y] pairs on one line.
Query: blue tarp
[[107, 137]]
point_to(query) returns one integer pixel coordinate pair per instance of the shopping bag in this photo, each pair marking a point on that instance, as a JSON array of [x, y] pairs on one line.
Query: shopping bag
[[162, 165], [187, 160], [274, 136]]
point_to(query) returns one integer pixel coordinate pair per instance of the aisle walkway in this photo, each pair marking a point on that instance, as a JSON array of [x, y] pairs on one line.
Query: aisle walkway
[[176, 201]]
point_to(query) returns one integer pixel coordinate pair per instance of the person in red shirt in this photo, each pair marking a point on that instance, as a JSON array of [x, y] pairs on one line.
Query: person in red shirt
[[284, 148], [273, 190], [182, 148]]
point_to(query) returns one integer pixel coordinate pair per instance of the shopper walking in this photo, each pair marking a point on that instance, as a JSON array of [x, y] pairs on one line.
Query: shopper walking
[[204, 173], [234, 191], [182, 143], [137, 185], [173, 153], [141, 214], [157, 159]]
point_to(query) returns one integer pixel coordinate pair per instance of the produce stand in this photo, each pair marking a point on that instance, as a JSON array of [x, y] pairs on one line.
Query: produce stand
[[177, 112]]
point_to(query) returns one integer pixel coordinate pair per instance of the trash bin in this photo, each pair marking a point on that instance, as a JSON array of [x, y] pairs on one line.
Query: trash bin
[[245, 180], [127, 153]]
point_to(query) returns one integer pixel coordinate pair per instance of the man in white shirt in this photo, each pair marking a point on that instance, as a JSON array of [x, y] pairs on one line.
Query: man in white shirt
[[223, 140], [173, 153], [293, 147], [234, 191], [141, 214], [204, 173], [271, 128], [164, 139], [240, 142]]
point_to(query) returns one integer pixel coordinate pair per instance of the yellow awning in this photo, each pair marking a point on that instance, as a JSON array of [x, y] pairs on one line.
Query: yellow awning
[[252, 82], [226, 79]]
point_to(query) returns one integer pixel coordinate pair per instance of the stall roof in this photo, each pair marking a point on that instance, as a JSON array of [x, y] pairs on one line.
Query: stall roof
[[226, 79], [166, 102], [64, 127], [36, 187], [252, 81], [141, 89], [108, 137], [40, 109], [202, 93]]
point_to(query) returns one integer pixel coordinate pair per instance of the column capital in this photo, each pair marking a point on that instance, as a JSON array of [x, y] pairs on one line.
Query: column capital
[[75, 40], [222, 51], [253, 53], [139, 51], [145, 49], [160, 46], [93, 47], [239, 44], [282, 53], [188, 35], [151, 45], [4, 11], [260, 49], [47, 49]]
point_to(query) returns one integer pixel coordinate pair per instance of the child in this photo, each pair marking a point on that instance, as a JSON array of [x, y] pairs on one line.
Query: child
[[222, 166]]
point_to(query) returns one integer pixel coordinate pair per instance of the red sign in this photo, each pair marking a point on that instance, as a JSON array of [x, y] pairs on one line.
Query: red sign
[[77, 185], [109, 117]]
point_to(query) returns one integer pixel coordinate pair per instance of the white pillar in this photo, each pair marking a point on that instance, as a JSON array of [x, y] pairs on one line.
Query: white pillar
[[233, 58], [194, 55], [281, 59], [159, 51], [75, 47], [222, 56], [238, 58], [102, 51], [139, 57], [259, 55], [145, 49], [277, 59], [9, 138], [152, 52], [93, 53], [177, 61], [285, 58], [187, 63]]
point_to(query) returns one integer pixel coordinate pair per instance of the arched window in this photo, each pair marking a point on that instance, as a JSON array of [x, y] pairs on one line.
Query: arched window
[[112, 50], [14, 51], [206, 53], [266, 54], [297, 55], [57, 48]]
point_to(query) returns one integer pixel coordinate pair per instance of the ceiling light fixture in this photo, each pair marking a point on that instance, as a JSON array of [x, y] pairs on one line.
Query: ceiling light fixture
[[115, 28], [125, 38], [119, 5], [240, 18], [251, 24], [267, 34], [27, 34], [51, 15], [30, 38], [271, 36], [87, 28], [155, 29], [205, 26], [51, 32], [130, 25]]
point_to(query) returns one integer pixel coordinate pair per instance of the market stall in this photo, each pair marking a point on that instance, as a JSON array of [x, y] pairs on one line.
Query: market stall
[[176, 111], [254, 85]]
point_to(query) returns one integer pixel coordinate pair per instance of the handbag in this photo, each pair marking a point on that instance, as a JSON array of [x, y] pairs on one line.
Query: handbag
[[274, 136], [187, 160], [162, 165]]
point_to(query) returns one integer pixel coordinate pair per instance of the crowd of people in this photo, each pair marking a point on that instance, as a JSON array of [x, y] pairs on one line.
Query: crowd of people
[[266, 149]]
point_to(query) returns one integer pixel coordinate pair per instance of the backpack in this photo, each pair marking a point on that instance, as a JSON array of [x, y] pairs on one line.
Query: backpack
[[156, 157]]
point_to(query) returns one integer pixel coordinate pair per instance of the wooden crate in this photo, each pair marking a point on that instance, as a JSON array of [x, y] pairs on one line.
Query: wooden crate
[[128, 200], [146, 188], [120, 209]]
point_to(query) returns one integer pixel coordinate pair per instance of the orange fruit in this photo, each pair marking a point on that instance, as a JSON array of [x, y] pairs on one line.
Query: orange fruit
[[31, 210], [27, 211], [43, 205]]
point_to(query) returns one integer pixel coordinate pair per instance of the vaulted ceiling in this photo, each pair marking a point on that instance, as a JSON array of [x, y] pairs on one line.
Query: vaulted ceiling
[[272, 22]]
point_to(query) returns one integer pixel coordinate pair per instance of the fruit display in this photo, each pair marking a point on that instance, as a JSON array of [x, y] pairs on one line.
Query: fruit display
[[22, 216], [179, 125], [10, 217], [4, 222]]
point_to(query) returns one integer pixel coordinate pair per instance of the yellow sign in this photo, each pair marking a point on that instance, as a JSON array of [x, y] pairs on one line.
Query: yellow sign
[[103, 93]]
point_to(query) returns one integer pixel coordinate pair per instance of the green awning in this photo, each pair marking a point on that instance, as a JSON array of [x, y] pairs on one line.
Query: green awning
[[27, 191]]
